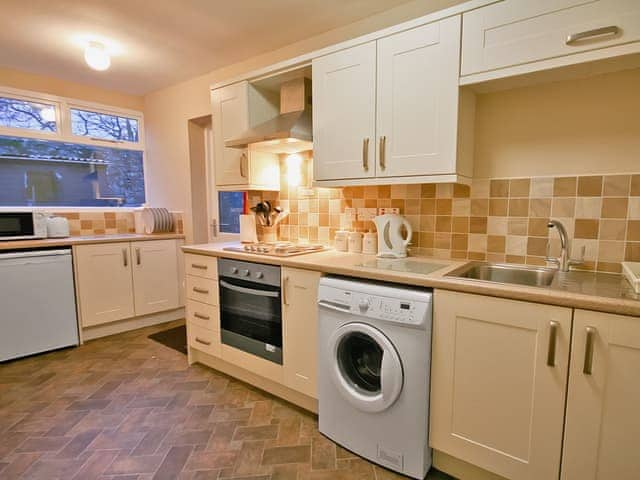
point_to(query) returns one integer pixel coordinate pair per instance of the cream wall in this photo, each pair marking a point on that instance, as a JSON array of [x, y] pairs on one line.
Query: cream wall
[[574, 127], [168, 111], [63, 88]]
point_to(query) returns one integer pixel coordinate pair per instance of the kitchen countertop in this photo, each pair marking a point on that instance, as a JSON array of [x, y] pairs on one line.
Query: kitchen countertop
[[602, 292], [85, 239]]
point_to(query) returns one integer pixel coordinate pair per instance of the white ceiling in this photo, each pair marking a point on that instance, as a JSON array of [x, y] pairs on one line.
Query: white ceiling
[[162, 42]]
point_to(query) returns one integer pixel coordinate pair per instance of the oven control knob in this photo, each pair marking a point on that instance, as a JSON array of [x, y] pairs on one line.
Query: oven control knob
[[244, 272], [234, 270], [259, 275]]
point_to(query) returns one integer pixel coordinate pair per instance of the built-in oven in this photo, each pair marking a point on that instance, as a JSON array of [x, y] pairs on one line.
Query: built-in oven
[[250, 308], [25, 225]]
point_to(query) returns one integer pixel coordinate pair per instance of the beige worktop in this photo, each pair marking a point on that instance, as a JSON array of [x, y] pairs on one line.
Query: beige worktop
[[587, 290], [86, 239]]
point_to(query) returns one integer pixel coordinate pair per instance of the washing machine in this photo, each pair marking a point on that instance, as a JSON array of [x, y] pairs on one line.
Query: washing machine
[[373, 371]]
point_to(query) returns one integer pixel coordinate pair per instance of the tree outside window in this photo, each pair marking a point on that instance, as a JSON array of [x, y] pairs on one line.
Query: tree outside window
[[15, 113], [105, 126]]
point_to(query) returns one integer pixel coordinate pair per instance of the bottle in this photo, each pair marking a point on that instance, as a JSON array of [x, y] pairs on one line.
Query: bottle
[[341, 240], [370, 243], [355, 242]]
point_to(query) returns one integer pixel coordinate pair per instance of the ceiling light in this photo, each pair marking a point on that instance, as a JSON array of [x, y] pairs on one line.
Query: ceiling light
[[96, 56]]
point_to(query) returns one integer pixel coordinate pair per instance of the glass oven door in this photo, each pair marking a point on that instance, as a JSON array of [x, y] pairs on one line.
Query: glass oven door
[[251, 317]]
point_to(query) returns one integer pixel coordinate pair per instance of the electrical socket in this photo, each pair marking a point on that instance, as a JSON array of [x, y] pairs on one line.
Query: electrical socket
[[365, 214], [350, 214], [384, 210]]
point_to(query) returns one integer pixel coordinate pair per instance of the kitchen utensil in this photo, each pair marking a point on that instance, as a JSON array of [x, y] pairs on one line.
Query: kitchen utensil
[[391, 243]]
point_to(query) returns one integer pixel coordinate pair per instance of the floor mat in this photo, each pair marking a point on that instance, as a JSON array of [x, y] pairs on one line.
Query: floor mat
[[175, 338]]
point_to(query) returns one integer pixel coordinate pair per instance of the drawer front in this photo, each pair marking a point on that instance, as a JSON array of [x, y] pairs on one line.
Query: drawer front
[[201, 266], [516, 32], [202, 290], [203, 339], [203, 315]]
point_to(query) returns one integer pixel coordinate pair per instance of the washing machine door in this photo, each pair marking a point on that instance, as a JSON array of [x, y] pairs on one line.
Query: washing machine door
[[365, 368]]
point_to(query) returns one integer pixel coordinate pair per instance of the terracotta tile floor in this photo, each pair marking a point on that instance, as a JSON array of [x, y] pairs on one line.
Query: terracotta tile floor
[[126, 407]]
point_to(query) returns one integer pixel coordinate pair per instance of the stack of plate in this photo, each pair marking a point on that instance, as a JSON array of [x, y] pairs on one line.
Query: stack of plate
[[157, 220]]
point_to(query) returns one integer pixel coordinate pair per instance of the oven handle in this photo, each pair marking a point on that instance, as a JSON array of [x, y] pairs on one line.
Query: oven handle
[[250, 291]]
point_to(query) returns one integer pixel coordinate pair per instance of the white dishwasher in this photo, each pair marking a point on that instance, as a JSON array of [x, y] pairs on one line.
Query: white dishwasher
[[37, 302]]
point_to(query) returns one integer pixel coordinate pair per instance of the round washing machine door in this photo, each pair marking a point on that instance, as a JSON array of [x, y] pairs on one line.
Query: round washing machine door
[[365, 368]]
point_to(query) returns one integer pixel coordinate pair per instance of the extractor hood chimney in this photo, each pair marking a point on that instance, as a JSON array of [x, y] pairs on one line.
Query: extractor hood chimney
[[289, 132]]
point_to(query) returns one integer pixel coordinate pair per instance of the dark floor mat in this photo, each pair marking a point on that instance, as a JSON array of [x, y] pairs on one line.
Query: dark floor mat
[[175, 338]]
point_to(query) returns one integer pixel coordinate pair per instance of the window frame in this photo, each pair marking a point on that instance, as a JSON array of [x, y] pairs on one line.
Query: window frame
[[62, 106]]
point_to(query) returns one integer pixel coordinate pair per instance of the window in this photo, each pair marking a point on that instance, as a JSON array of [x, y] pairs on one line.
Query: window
[[35, 172], [230, 207], [27, 115], [103, 126]]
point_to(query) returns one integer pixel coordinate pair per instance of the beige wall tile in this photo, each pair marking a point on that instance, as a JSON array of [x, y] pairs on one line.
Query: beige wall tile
[[498, 206], [519, 187], [563, 207], [477, 224], [427, 190], [479, 206], [635, 185], [477, 242], [499, 188], [428, 206], [459, 241], [610, 251], [460, 224], [516, 245], [632, 252], [461, 206], [427, 223], [634, 208], [611, 229], [586, 228], [442, 240], [517, 226], [443, 223], [617, 185], [518, 207], [444, 190], [461, 191], [540, 207], [633, 231], [537, 246], [444, 206], [496, 243], [614, 207], [497, 225], [590, 249], [565, 186], [480, 188], [588, 207], [538, 227], [542, 187]]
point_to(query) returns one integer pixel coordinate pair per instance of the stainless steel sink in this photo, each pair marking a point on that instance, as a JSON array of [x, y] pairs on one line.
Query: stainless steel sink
[[504, 273]]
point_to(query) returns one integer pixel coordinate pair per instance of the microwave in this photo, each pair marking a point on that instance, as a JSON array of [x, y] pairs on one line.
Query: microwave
[[23, 225]]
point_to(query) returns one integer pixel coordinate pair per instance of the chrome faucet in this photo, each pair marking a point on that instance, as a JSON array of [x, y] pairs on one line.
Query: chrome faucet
[[563, 262]]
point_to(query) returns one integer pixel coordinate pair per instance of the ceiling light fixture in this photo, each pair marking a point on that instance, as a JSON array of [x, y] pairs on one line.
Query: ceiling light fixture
[[96, 56]]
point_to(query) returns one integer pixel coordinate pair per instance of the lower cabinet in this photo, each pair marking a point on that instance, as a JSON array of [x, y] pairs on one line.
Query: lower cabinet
[[116, 281], [603, 424], [300, 330], [203, 311], [498, 383]]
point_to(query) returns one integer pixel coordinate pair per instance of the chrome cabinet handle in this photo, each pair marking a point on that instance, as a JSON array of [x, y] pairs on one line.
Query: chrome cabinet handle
[[574, 38], [365, 154], [249, 291], [587, 368], [125, 257], [553, 337], [138, 259], [201, 316], [200, 290], [199, 266], [242, 159], [383, 159], [204, 342]]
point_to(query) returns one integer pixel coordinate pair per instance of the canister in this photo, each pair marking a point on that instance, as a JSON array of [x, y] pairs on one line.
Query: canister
[[355, 242], [342, 240]]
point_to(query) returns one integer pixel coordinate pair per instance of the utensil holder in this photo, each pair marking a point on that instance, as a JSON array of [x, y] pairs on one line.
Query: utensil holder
[[268, 234]]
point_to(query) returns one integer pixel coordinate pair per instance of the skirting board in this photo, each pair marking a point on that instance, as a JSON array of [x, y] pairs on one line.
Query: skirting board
[[460, 469], [98, 331], [274, 388]]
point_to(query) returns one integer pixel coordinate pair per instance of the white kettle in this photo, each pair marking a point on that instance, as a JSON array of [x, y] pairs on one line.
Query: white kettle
[[391, 243]]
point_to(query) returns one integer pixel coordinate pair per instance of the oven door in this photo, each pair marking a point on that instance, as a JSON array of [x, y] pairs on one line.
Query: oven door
[[16, 225], [251, 318]]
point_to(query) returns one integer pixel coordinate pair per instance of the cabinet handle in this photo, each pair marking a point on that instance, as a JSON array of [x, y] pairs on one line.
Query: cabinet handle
[[588, 351], [199, 266], [200, 290], [242, 159], [574, 38], [204, 342], [365, 154], [285, 297], [125, 257], [138, 259], [383, 159], [201, 316], [553, 336]]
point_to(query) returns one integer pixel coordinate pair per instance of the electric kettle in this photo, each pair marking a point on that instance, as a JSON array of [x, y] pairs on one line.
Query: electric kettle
[[391, 243]]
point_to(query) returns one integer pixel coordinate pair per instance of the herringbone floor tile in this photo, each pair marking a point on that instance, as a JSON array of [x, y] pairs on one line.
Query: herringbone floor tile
[[128, 408]]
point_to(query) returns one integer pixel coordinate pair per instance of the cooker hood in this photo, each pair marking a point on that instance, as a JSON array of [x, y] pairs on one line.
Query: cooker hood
[[289, 132]]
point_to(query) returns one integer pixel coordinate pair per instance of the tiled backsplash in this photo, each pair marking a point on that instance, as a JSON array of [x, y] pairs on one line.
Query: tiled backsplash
[[497, 220], [84, 223]]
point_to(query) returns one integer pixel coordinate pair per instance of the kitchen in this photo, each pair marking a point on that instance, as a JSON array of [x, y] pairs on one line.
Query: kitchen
[[399, 241]]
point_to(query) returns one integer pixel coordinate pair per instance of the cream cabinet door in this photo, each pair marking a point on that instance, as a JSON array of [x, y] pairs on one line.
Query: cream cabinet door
[[515, 32], [602, 431], [418, 100], [155, 276], [104, 282], [300, 327], [498, 380], [344, 114], [230, 119]]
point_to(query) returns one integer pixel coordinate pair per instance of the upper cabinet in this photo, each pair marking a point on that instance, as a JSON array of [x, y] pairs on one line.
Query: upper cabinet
[[237, 108], [388, 110], [515, 33]]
